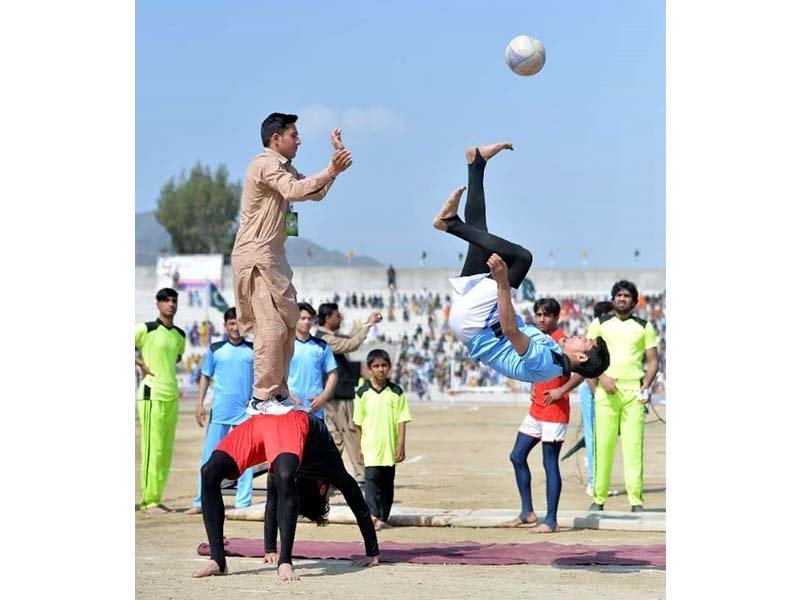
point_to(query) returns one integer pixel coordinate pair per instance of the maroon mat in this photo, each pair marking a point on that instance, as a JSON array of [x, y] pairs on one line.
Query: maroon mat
[[466, 553]]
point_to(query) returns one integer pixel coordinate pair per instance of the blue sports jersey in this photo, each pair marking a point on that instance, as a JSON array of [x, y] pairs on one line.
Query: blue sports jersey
[[312, 360], [232, 369], [543, 361]]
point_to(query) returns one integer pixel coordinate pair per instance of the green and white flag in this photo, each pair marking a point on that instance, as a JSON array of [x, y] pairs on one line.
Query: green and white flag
[[528, 291], [216, 299]]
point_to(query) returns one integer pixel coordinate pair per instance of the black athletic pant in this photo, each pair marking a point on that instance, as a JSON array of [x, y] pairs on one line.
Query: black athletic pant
[[219, 466], [283, 480], [483, 244], [321, 462], [379, 488]]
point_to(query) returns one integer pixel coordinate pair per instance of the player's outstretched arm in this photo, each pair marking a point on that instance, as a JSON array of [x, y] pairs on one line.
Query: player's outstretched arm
[[505, 310], [355, 500]]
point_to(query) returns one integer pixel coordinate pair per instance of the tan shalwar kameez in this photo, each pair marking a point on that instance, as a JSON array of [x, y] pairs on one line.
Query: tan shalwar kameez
[[262, 279]]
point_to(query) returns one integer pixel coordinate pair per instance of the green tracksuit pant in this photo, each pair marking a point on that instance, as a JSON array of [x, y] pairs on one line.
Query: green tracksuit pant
[[157, 421], [621, 414]]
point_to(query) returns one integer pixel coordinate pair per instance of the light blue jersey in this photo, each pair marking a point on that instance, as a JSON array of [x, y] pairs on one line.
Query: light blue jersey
[[232, 370], [312, 360], [543, 361]]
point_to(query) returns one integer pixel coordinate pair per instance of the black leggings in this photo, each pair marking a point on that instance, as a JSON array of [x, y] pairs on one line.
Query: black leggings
[[284, 478], [483, 244], [218, 467], [333, 472], [282, 502]]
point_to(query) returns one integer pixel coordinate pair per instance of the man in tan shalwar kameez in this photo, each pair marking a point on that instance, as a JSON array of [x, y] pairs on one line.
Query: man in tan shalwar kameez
[[265, 297]]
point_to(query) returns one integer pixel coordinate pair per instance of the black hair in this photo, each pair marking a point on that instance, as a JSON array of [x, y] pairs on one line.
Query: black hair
[[306, 307], [325, 310], [597, 360], [229, 314], [376, 354], [275, 123], [165, 293], [312, 503], [624, 284], [550, 306], [602, 308]]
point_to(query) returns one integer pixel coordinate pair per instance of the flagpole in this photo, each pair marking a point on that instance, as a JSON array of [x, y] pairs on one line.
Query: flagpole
[[208, 298]]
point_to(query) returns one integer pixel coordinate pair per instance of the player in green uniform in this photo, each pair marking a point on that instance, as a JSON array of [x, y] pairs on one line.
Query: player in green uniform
[[161, 344], [621, 394]]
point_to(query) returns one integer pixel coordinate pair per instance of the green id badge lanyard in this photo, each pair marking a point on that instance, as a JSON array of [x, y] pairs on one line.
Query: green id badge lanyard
[[292, 222]]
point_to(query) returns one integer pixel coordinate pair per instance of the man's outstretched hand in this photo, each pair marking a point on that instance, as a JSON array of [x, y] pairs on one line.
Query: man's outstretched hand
[[336, 139], [499, 269], [340, 162]]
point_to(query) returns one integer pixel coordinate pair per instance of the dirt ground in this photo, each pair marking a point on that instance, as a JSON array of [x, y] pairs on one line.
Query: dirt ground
[[457, 457]]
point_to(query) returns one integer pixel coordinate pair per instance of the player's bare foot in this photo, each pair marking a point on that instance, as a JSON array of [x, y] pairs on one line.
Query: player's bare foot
[[210, 569], [545, 528], [449, 208], [286, 573], [159, 509], [195, 510], [367, 561], [487, 151], [271, 557], [530, 519], [380, 524]]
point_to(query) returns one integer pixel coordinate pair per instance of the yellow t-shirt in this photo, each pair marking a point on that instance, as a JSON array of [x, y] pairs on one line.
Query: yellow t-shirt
[[161, 348], [378, 412], [627, 341]]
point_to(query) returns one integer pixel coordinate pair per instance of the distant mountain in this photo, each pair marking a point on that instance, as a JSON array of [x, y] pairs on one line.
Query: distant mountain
[[152, 239]]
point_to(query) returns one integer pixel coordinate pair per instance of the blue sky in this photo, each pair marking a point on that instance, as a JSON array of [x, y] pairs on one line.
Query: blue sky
[[413, 84]]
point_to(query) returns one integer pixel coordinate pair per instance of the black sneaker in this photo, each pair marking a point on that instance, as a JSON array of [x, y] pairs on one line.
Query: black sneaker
[[279, 405], [596, 506], [637, 508]]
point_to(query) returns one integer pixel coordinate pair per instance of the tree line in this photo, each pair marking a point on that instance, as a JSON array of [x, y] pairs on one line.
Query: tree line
[[200, 211]]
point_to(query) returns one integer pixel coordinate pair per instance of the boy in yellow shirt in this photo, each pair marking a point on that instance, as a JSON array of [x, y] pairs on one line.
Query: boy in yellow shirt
[[380, 414]]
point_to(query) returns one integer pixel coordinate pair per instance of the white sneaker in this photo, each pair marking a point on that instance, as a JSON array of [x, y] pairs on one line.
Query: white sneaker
[[280, 405]]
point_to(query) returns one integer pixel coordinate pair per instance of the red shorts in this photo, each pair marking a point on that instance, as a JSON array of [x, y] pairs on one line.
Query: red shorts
[[263, 437]]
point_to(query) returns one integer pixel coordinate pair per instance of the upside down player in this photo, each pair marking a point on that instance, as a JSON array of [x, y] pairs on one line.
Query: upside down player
[[482, 315], [303, 460]]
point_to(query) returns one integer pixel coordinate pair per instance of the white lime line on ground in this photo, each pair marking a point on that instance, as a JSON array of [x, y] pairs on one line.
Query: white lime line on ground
[[416, 459]]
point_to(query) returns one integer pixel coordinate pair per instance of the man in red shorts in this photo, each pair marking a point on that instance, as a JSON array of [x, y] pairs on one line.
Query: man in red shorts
[[303, 460], [546, 422]]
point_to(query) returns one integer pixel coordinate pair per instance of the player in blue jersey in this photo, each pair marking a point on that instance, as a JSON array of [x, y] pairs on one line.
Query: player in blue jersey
[[482, 315], [230, 364], [312, 372]]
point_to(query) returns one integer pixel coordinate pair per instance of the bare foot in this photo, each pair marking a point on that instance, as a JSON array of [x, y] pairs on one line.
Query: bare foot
[[195, 510], [487, 151], [271, 557], [449, 208], [384, 525], [367, 561], [159, 509], [530, 519], [544, 528], [286, 572], [211, 568]]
